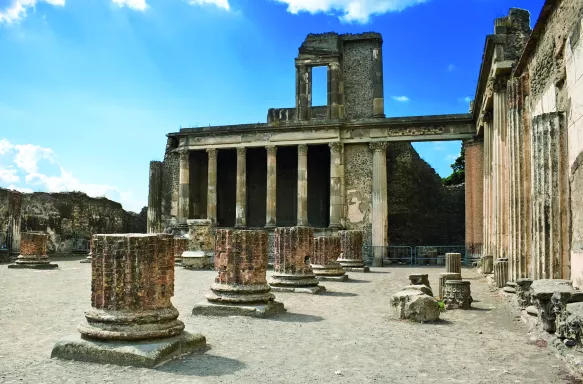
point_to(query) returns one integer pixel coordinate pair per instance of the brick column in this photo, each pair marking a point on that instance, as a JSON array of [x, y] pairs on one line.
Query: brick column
[[351, 251], [33, 252], [474, 177], [131, 286], [155, 198], [335, 185], [241, 193], [271, 213], [211, 208], [302, 185], [184, 188], [325, 263], [379, 202]]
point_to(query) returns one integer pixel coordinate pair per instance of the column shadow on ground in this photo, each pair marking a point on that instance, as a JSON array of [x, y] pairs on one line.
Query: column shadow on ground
[[203, 364], [351, 280], [290, 317]]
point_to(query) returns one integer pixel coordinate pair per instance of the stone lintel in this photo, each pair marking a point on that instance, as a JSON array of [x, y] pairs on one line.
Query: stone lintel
[[206, 308], [143, 354]]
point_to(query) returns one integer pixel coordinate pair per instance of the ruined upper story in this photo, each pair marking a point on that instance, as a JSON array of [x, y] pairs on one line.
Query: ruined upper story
[[354, 111]]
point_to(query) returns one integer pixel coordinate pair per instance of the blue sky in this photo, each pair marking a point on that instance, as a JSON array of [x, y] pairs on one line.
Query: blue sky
[[89, 88]]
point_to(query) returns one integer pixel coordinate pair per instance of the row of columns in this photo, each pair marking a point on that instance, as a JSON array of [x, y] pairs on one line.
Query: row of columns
[[336, 186]]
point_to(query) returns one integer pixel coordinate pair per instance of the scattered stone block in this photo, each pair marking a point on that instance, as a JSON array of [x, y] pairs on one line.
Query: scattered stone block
[[241, 288], [325, 263], [457, 294], [501, 272], [453, 262], [196, 260], [445, 276], [508, 289], [201, 236], [351, 251], [131, 320], [531, 310], [33, 252], [419, 279], [415, 305], [549, 296], [487, 264], [523, 292], [292, 270], [569, 324]]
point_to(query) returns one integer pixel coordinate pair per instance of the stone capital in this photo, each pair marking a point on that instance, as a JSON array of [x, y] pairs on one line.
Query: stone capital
[[212, 153], [500, 83], [302, 150], [271, 150], [184, 154], [241, 151], [378, 145], [486, 116], [335, 147]]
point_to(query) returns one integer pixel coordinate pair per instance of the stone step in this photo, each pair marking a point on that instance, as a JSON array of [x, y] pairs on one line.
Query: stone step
[[509, 289], [511, 284], [531, 310]]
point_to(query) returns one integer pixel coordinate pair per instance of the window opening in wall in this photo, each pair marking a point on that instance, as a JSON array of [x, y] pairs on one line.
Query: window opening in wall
[[319, 86]]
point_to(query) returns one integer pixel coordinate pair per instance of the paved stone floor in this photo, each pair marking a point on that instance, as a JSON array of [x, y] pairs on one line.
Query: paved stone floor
[[347, 335]]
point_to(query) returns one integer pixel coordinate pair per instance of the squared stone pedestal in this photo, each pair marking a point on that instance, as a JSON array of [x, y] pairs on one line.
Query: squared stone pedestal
[[34, 266], [143, 354], [206, 308], [332, 278], [357, 269], [311, 290]]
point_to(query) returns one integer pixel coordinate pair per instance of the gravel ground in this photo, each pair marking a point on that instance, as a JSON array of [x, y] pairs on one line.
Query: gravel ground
[[347, 335]]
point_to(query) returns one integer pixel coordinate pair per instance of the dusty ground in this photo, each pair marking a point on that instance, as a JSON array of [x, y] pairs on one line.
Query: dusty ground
[[347, 335]]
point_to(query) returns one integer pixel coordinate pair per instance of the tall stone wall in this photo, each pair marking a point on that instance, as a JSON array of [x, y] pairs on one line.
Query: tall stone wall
[[358, 78], [67, 215], [358, 187]]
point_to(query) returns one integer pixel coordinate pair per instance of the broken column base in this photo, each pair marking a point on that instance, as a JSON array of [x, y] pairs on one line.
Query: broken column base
[[143, 354], [33, 266], [86, 260], [357, 269], [332, 278], [206, 308]]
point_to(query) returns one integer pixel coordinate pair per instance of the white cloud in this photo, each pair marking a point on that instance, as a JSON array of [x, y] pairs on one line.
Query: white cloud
[[28, 156], [138, 5], [17, 10], [350, 10], [25, 158], [401, 99], [467, 99], [224, 4], [20, 189], [8, 175]]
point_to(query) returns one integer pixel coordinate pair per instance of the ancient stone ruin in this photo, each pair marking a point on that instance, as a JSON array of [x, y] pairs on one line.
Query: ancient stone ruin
[[457, 294], [33, 252], [241, 287], [131, 320], [351, 251], [325, 264], [293, 251]]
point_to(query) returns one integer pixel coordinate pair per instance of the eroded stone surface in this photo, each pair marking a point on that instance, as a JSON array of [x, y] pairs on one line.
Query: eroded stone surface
[[542, 292], [415, 305], [457, 294], [523, 292], [180, 245], [201, 235], [33, 252], [351, 250], [445, 276], [326, 253]]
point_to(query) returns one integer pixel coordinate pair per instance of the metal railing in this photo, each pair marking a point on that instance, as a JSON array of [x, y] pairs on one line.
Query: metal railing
[[391, 255], [80, 246], [421, 255]]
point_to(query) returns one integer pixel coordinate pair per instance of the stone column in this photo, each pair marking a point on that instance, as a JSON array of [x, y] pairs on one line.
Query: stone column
[[487, 264], [211, 208], [336, 89], [271, 201], [453, 262], [180, 246], [241, 287], [293, 251], [351, 251], [14, 221], [379, 214], [501, 272], [326, 254], [154, 224], [302, 185], [457, 294], [474, 162], [241, 193], [500, 127], [303, 92], [445, 276], [132, 282], [335, 185], [184, 188], [378, 106], [33, 252]]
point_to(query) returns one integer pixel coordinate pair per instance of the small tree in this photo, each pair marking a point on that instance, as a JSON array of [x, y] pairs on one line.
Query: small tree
[[458, 175]]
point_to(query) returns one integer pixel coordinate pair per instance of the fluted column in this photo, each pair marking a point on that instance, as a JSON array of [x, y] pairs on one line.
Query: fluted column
[[241, 193], [500, 127], [379, 201], [270, 216], [302, 185], [211, 208], [184, 188], [335, 185]]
